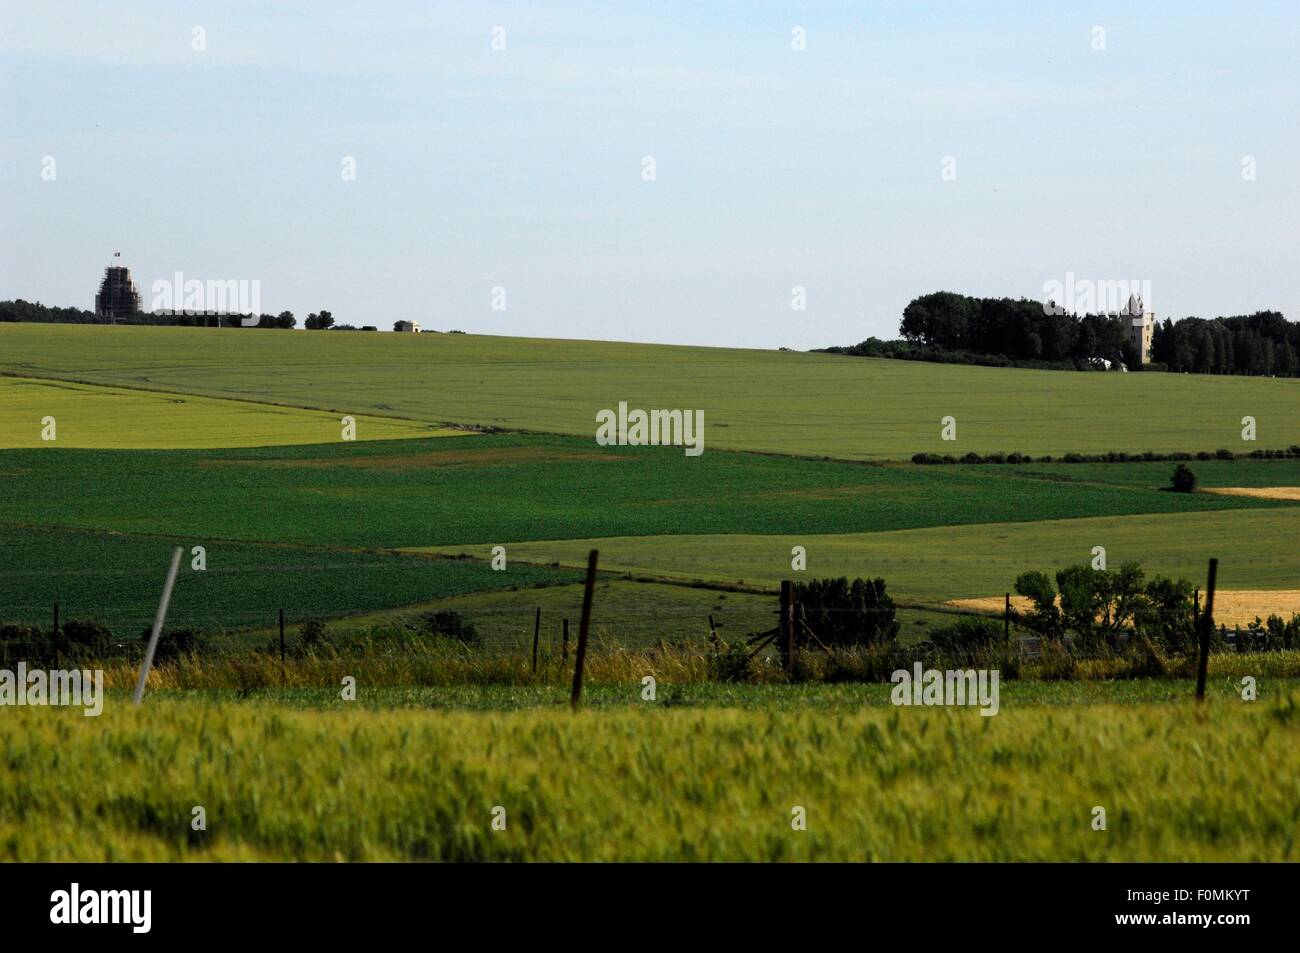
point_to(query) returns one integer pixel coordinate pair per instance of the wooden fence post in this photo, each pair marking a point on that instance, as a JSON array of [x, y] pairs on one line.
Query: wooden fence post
[[789, 638], [782, 628], [537, 631], [576, 697], [57, 664], [1006, 621], [1207, 627], [282, 672], [795, 615]]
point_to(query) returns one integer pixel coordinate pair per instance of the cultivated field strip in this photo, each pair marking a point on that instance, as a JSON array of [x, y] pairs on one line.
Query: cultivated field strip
[[652, 785], [784, 402]]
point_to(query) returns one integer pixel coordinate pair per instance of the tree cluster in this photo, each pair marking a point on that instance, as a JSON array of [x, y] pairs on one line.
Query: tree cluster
[[1258, 345], [946, 327]]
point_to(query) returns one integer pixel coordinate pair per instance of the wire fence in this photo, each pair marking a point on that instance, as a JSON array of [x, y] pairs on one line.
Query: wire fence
[[73, 632]]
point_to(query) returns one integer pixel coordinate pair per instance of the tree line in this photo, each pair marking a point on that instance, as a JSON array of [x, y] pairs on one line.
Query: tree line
[[955, 328], [1259, 345], [20, 310]]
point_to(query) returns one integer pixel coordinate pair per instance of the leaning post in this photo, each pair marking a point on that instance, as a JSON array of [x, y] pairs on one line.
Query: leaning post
[[157, 625]]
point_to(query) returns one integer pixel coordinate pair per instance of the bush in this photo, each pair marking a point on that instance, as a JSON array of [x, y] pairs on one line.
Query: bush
[[25, 642], [730, 662], [1146, 660], [1043, 617], [869, 663], [86, 637], [1165, 615], [173, 643], [1055, 663], [967, 638], [841, 614], [1184, 480], [313, 637], [452, 625]]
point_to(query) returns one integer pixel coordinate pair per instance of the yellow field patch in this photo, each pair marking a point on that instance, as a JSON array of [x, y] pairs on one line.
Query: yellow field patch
[[1232, 607], [1262, 492], [88, 416]]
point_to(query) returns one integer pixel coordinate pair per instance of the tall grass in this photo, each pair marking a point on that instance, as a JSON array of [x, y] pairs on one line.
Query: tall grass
[[427, 664], [651, 784]]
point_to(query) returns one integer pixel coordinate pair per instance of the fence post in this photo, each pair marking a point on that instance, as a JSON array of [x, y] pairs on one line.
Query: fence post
[[794, 628], [788, 636], [282, 672], [57, 663], [783, 630], [1207, 626], [157, 624], [576, 697], [537, 631], [1006, 621]]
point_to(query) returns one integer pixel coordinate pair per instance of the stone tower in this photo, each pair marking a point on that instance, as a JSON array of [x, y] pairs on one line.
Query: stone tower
[[118, 296], [1141, 327]]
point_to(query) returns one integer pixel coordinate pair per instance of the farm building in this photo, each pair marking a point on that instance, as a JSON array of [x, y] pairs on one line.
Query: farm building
[[118, 296], [408, 327]]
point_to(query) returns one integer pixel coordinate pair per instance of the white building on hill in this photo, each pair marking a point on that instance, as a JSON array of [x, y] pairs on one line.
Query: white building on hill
[[1141, 327]]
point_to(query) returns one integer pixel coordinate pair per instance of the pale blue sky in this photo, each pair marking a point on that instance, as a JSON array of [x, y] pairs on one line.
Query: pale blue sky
[[775, 168]]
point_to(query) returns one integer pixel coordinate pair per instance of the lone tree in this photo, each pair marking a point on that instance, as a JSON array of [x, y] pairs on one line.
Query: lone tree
[[1184, 479]]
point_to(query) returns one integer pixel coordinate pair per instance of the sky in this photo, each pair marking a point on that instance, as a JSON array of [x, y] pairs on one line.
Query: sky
[[910, 147]]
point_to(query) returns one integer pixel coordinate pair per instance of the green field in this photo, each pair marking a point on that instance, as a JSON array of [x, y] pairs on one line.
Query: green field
[[492, 489], [311, 528], [229, 440], [784, 402], [652, 783], [313, 523], [119, 418], [116, 579], [1256, 549]]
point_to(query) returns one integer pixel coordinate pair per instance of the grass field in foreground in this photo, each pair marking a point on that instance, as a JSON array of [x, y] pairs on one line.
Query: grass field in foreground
[[1223, 685], [787, 402], [498, 488], [1256, 549], [652, 784], [120, 418]]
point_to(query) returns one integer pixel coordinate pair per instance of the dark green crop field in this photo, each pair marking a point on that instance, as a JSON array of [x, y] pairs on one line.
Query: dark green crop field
[[489, 489], [117, 579], [1209, 473]]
